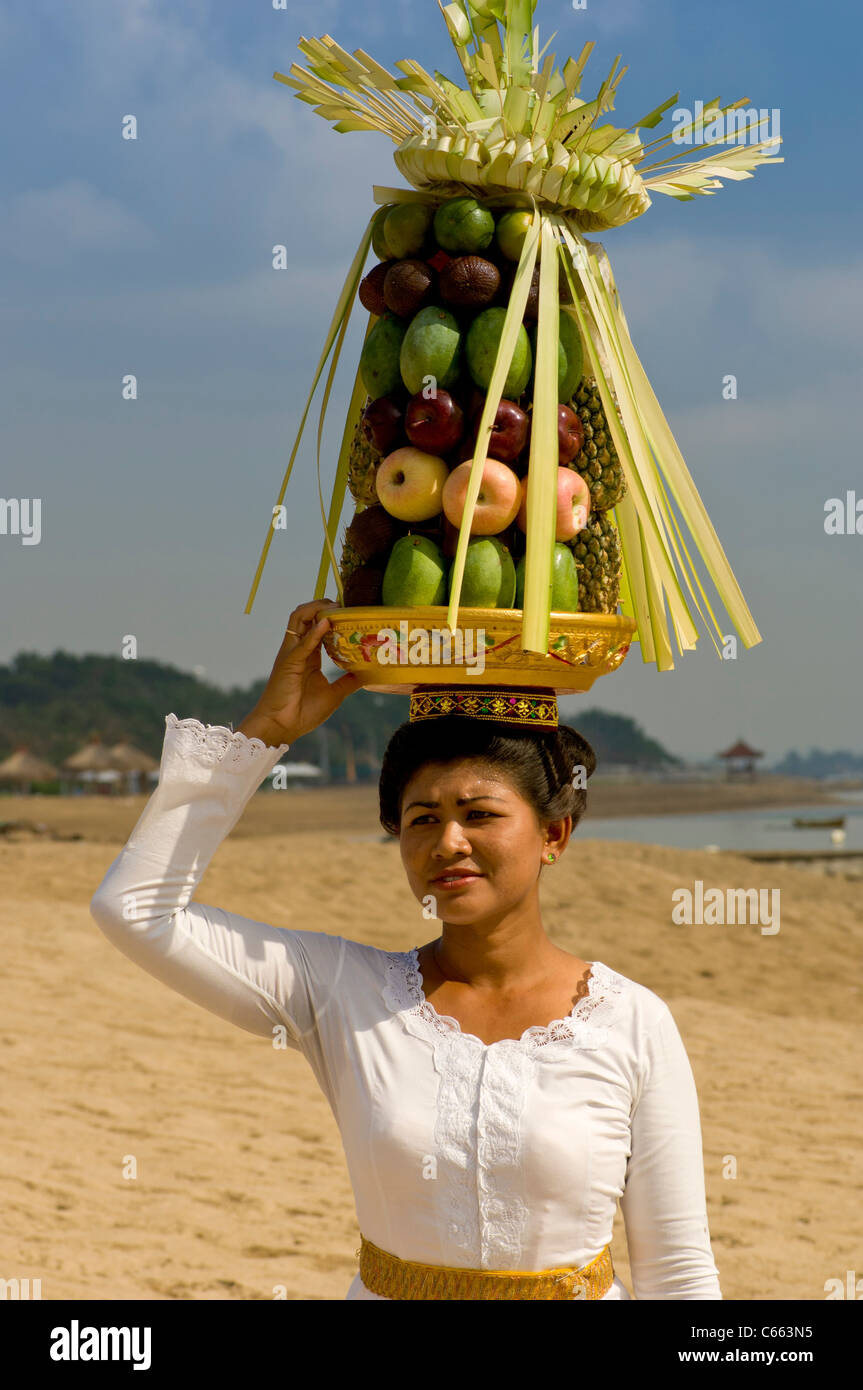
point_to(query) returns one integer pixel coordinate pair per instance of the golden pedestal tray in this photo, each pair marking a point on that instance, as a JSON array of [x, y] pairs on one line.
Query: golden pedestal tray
[[401, 649]]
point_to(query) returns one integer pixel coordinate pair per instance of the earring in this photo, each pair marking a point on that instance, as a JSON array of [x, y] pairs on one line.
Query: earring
[[550, 858]]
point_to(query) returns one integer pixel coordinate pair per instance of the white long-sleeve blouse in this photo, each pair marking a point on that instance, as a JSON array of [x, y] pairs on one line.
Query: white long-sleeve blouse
[[509, 1155]]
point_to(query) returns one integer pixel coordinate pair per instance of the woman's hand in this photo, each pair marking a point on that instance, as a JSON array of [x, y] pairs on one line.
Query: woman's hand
[[298, 697]]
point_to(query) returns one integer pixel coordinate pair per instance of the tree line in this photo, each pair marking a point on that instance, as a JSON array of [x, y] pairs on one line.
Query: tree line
[[55, 703]]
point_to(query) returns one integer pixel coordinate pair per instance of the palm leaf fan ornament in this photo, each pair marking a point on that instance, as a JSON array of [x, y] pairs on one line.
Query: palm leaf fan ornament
[[519, 134]]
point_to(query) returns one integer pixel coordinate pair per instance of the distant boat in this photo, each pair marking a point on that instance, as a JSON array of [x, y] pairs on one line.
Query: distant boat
[[825, 823]]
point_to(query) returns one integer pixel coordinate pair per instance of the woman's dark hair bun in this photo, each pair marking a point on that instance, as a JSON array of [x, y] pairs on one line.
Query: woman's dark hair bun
[[566, 753], [547, 766]]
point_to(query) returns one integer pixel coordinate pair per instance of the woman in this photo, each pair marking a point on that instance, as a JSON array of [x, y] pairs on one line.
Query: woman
[[496, 1095]]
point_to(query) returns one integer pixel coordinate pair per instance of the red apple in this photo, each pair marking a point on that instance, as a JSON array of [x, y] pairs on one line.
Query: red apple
[[570, 433], [410, 484], [573, 504], [497, 503], [436, 423], [383, 423], [508, 432]]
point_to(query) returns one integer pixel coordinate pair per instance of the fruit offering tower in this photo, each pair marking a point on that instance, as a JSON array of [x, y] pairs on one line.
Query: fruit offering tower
[[516, 488]]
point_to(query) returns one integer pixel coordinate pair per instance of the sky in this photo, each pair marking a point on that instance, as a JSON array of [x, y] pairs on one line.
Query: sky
[[153, 257]]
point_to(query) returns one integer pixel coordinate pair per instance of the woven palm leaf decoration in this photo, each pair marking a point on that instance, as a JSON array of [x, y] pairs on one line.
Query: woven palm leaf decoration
[[519, 134]]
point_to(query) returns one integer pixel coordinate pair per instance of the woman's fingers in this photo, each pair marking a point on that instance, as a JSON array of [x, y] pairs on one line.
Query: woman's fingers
[[297, 696], [311, 609], [310, 647], [303, 622], [343, 686], [311, 630]]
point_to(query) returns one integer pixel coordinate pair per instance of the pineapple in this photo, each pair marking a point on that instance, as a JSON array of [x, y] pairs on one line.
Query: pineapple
[[597, 461], [597, 558], [362, 468], [350, 561]]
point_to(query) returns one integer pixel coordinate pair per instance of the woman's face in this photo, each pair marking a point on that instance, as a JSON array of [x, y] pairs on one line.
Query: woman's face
[[471, 842]]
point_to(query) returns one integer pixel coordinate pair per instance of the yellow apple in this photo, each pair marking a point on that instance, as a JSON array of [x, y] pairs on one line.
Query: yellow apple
[[410, 484]]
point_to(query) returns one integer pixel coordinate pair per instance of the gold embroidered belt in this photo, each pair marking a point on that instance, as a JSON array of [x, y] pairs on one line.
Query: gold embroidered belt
[[391, 1277]]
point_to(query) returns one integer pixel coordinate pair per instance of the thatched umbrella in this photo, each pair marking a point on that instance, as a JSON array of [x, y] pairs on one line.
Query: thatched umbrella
[[93, 763], [128, 758], [133, 762], [24, 768], [93, 757]]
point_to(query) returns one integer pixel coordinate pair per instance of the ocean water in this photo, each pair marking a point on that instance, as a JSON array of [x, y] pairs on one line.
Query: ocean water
[[769, 829]]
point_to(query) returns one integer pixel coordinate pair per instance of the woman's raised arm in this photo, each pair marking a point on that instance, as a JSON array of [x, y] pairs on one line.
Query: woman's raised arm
[[254, 975]]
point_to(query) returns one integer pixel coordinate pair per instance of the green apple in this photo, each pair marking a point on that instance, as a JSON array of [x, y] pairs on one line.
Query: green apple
[[379, 241], [463, 226], [406, 227]]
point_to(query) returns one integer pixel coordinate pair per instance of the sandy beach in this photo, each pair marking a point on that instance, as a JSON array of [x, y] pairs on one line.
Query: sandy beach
[[241, 1188]]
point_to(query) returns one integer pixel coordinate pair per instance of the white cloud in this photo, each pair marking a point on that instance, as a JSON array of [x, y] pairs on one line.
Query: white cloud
[[46, 225], [165, 57], [787, 422], [195, 108], [826, 302], [265, 300], [655, 277], [791, 303]]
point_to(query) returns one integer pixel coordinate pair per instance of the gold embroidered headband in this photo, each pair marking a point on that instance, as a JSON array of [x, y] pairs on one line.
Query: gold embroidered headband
[[536, 708]]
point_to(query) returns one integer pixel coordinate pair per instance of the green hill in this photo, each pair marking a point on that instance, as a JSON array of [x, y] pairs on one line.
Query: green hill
[[55, 703], [616, 738]]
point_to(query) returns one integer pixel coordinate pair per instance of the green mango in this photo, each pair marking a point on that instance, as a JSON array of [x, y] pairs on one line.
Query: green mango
[[570, 357], [564, 580], [481, 345], [519, 584], [416, 574], [431, 347], [489, 575], [379, 361], [571, 344]]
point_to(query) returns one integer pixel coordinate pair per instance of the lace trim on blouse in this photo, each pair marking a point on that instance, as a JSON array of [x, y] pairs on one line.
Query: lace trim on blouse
[[583, 1026], [215, 743]]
